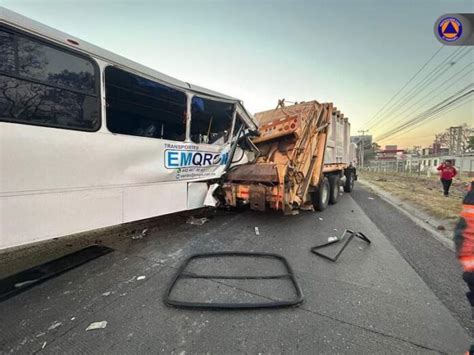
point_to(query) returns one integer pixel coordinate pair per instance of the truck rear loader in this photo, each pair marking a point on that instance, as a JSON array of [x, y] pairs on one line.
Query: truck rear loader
[[303, 156]]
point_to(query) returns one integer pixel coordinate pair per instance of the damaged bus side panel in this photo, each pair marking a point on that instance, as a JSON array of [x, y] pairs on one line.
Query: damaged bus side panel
[[304, 156]]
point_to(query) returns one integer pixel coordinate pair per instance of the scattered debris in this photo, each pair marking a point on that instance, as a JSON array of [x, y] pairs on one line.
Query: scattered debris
[[257, 231], [131, 280], [40, 334], [139, 278], [55, 325], [333, 240], [197, 221], [24, 283], [106, 294], [320, 218], [97, 325], [335, 229], [73, 318], [140, 235], [441, 228], [371, 198], [307, 207], [44, 344], [381, 179]]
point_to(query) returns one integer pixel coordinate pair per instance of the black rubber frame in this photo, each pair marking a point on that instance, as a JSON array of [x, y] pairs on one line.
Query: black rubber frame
[[9, 286], [352, 234], [216, 306]]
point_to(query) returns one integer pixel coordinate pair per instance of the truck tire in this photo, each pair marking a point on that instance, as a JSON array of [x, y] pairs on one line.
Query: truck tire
[[349, 185], [320, 197], [333, 189]]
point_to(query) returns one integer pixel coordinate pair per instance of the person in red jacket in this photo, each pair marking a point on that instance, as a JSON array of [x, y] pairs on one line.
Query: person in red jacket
[[464, 240], [446, 172]]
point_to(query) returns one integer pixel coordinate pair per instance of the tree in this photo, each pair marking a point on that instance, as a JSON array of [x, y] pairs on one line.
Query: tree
[[445, 139]]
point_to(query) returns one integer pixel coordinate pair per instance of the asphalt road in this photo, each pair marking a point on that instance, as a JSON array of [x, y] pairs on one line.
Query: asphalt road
[[401, 294]]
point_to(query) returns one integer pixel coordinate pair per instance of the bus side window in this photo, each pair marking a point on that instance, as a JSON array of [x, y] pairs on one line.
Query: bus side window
[[211, 121], [45, 85], [141, 107]]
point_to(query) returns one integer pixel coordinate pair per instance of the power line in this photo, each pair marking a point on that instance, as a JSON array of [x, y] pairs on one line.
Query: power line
[[454, 107], [434, 74], [430, 78], [430, 112], [421, 85], [436, 88], [406, 84]]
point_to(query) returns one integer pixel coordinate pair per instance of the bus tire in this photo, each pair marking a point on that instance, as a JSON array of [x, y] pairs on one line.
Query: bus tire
[[333, 189], [320, 197], [349, 184]]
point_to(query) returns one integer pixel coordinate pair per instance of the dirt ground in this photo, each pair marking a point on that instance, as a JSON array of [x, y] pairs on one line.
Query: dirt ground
[[422, 191]]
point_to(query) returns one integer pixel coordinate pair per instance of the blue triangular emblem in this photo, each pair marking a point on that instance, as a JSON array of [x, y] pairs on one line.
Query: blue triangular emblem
[[450, 28]]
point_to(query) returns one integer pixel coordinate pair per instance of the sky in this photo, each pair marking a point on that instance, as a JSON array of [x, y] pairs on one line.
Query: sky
[[356, 54]]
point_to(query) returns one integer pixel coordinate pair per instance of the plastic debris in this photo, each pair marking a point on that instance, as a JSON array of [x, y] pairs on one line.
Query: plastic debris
[[139, 278], [44, 344], [54, 325], [197, 221], [73, 318], [105, 294], [210, 200], [140, 235], [97, 325], [307, 207], [24, 283], [335, 229], [371, 198], [332, 239], [320, 218], [257, 231]]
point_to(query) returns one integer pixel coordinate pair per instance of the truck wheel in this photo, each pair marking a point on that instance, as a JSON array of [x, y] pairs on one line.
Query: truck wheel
[[349, 185], [320, 197], [334, 189]]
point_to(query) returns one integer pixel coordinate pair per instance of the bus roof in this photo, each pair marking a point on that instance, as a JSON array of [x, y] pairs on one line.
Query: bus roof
[[22, 22]]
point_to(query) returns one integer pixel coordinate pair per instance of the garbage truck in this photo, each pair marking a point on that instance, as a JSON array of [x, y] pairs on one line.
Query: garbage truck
[[303, 157]]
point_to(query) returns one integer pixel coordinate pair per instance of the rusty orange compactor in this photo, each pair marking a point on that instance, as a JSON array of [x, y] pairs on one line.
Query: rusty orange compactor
[[304, 158]]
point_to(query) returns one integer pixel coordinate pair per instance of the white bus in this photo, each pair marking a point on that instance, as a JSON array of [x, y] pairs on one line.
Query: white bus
[[89, 139]]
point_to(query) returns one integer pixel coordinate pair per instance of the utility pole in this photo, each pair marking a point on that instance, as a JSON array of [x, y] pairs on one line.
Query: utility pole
[[362, 146], [455, 140]]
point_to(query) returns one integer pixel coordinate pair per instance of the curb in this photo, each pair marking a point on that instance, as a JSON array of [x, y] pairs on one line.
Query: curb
[[421, 219]]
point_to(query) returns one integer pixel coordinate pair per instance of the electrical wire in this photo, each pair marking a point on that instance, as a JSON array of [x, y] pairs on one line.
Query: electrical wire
[[428, 95], [430, 112], [429, 78], [406, 84]]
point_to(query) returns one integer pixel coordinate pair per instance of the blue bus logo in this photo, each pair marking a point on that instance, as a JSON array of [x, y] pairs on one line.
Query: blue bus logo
[[175, 159]]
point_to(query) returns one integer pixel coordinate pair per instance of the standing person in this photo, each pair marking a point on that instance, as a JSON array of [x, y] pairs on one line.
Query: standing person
[[464, 239], [446, 172]]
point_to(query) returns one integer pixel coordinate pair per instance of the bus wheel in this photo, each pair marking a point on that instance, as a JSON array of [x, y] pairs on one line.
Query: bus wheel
[[320, 197], [334, 189]]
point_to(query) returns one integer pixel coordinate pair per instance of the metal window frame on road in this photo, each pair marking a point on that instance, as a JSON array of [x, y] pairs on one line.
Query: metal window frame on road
[[215, 306], [352, 234]]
